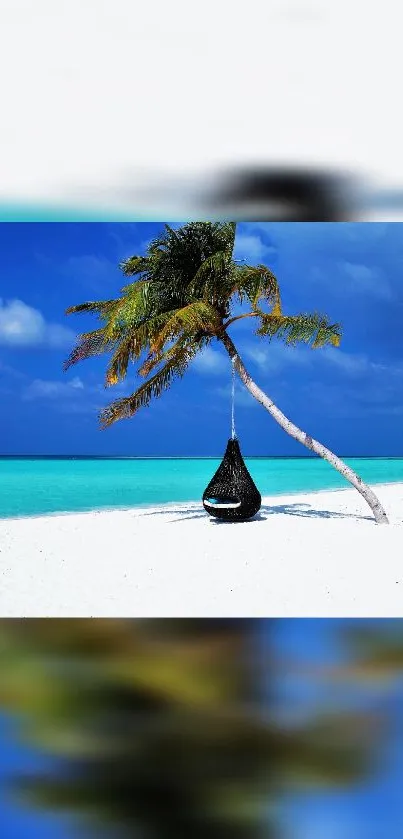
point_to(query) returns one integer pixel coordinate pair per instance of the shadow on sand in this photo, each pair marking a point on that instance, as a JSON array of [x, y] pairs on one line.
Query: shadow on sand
[[300, 510]]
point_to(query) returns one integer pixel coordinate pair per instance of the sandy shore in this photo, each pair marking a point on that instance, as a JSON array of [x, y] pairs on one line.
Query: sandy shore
[[317, 554]]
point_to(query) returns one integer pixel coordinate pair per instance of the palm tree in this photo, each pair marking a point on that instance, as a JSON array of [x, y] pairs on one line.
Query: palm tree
[[156, 730], [181, 300]]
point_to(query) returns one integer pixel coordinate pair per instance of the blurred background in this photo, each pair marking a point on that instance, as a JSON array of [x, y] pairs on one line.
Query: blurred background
[[270, 110], [280, 729]]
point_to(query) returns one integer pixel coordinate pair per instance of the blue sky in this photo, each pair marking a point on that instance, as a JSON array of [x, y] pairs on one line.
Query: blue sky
[[371, 809], [350, 398]]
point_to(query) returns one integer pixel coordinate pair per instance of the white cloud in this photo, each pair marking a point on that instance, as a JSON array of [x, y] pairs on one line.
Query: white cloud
[[24, 326], [274, 357], [351, 363], [74, 396], [251, 247], [44, 389], [367, 280], [211, 362]]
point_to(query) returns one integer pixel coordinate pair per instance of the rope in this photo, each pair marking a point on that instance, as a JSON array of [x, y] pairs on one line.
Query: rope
[[233, 431]]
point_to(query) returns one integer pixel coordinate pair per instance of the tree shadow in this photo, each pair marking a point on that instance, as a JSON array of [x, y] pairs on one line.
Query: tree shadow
[[307, 511], [299, 510], [184, 513]]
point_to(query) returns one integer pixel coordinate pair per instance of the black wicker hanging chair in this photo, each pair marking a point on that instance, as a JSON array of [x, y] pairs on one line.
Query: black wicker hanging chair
[[231, 494]]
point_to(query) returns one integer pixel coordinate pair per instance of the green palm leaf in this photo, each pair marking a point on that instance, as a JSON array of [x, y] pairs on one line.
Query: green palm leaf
[[127, 350], [156, 358], [89, 345], [100, 307], [204, 283], [134, 265], [314, 329], [257, 283], [195, 317], [128, 406]]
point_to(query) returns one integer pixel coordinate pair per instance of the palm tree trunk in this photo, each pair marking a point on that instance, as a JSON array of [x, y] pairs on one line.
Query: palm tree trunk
[[307, 441]]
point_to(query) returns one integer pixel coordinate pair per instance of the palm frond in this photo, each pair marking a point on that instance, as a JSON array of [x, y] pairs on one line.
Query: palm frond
[[154, 359], [139, 289], [195, 317], [151, 389], [102, 307], [134, 265], [257, 283], [229, 231], [132, 344], [313, 329], [89, 345], [124, 353], [129, 309], [208, 278]]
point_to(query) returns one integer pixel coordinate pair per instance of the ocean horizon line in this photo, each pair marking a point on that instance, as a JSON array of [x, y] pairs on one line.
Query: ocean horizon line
[[188, 457]]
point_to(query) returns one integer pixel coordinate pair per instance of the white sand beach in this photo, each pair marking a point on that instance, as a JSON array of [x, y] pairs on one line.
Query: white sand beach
[[316, 554]]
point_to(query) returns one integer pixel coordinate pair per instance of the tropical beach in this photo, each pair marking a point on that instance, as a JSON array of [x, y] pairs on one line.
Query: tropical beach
[[304, 554], [217, 483]]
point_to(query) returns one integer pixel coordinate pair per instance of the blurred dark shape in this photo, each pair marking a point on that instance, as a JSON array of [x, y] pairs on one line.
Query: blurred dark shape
[[159, 728], [242, 193], [380, 654], [284, 194]]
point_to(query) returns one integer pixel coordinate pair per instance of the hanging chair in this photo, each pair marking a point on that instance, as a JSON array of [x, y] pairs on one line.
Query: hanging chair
[[231, 494]]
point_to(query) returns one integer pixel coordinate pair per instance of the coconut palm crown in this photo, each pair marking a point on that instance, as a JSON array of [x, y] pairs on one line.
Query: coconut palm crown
[[181, 299]]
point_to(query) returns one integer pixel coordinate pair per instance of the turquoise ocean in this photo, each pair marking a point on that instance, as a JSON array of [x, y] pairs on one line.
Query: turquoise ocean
[[40, 486]]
